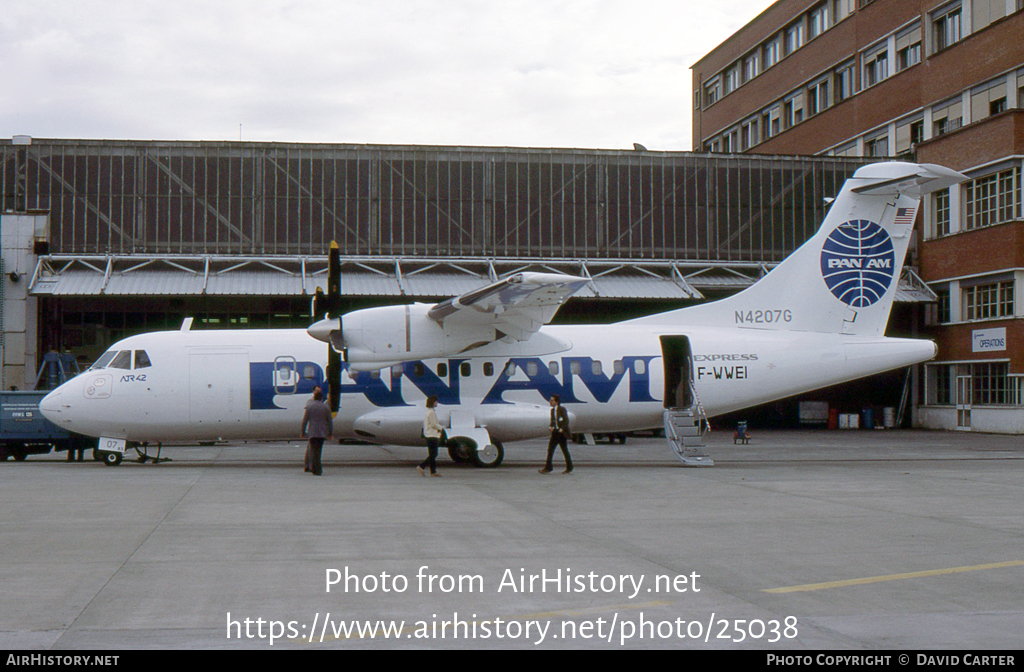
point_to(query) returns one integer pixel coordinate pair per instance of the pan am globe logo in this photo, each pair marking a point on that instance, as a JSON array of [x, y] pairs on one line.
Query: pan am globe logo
[[858, 262]]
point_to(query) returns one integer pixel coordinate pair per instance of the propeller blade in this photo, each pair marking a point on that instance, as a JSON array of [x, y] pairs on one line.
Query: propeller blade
[[332, 308]]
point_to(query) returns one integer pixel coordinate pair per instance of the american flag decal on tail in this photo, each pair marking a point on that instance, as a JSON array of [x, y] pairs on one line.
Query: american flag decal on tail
[[905, 215]]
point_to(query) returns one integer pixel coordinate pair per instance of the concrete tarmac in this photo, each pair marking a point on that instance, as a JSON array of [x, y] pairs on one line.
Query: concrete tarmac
[[801, 540]]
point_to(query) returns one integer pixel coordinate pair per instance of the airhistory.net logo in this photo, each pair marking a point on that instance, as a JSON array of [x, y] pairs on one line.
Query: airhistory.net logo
[[858, 263]]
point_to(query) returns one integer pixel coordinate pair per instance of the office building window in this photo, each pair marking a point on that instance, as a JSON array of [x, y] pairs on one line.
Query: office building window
[[877, 146], [908, 47], [849, 149], [751, 66], [939, 382], [908, 133], [947, 116], [841, 9], [876, 65], [946, 26], [732, 79], [748, 134], [993, 199], [984, 302], [712, 91], [731, 141], [794, 37], [990, 383], [941, 203], [817, 21], [793, 109], [943, 304], [770, 123], [843, 82], [817, 97], [984, 12], [772, 52], [988, 99]]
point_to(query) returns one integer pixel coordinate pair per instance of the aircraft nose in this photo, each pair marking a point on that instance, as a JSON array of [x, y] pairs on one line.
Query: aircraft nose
[[49, 406]]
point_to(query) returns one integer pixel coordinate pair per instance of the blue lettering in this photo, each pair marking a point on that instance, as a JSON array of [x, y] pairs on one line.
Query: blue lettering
[[542, 381], [310, 375], [262, 390], [430, 384]]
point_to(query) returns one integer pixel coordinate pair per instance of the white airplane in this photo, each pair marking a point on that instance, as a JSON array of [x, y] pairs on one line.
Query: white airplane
[[492, 360]]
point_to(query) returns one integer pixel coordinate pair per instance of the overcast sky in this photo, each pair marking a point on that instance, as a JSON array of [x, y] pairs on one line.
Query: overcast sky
[[524, 73]]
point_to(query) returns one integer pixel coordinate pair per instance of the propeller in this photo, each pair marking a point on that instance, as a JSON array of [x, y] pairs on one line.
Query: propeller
[[327, 306]]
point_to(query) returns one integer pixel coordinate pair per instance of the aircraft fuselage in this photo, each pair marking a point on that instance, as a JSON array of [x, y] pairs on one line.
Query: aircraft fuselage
[[205, 385]]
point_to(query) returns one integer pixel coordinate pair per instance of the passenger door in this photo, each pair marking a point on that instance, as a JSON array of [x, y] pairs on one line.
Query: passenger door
[[219, 389]]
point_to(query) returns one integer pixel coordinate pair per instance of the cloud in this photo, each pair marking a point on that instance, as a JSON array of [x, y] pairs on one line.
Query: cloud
[[604, 73]]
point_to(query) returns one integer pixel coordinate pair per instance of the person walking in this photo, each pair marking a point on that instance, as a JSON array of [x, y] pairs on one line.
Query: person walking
[[319, 422], [432, 431], [559, 435]]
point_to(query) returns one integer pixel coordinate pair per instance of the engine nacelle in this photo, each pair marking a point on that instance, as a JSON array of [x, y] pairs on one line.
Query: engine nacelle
[[379, 337], [502, 422]]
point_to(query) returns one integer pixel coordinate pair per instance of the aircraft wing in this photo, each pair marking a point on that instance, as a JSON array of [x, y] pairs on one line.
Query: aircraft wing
[[516, 307], [510, 310]]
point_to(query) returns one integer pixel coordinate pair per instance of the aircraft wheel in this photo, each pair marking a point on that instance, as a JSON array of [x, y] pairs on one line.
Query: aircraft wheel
[[18, 452], [489, 456], [459, 452], [111, 459]]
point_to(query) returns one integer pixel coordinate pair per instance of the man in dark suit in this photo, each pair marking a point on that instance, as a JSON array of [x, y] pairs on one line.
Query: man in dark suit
[[559, 435], [319, 422]]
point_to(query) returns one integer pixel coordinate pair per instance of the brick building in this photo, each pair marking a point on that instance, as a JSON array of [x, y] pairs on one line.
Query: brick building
[[922, 80]]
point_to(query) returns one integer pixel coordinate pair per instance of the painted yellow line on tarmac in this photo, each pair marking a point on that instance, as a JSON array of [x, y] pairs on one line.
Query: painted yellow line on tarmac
[[892, 577]]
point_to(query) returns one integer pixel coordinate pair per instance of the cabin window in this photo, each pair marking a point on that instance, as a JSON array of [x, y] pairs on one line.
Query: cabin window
[[553, 368], [308, 371], [488, 369], [640, 367], [375, 374], [618, 367], [465, 370], [142, 360], [418, 369], [595, 367], [575, 368], [531, 369], [442, 369], [510, 370], [123, 360]]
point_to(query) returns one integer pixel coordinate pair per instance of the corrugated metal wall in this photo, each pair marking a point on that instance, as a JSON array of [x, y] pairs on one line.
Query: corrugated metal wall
[[122, 197]]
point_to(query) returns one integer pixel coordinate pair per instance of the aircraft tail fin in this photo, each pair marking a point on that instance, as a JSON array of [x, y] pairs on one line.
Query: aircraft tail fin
[[844, 278]]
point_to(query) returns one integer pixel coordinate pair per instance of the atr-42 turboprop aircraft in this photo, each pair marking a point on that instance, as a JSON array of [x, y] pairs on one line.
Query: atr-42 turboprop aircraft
[[492, 360]]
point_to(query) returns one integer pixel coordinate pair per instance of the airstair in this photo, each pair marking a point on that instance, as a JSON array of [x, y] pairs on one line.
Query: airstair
[[685, 428]]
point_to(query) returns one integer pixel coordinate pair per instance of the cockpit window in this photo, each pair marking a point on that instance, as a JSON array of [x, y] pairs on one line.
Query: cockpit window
[[142, 360], [104, 359], [123, 360]]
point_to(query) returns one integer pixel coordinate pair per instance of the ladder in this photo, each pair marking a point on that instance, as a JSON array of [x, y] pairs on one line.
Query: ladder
[[684, 431]]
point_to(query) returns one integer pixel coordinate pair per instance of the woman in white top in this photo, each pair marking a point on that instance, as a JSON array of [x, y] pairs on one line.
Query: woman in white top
[[432, 430]]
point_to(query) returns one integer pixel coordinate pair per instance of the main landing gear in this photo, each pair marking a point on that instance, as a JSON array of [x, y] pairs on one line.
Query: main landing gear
[[464, 451]]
